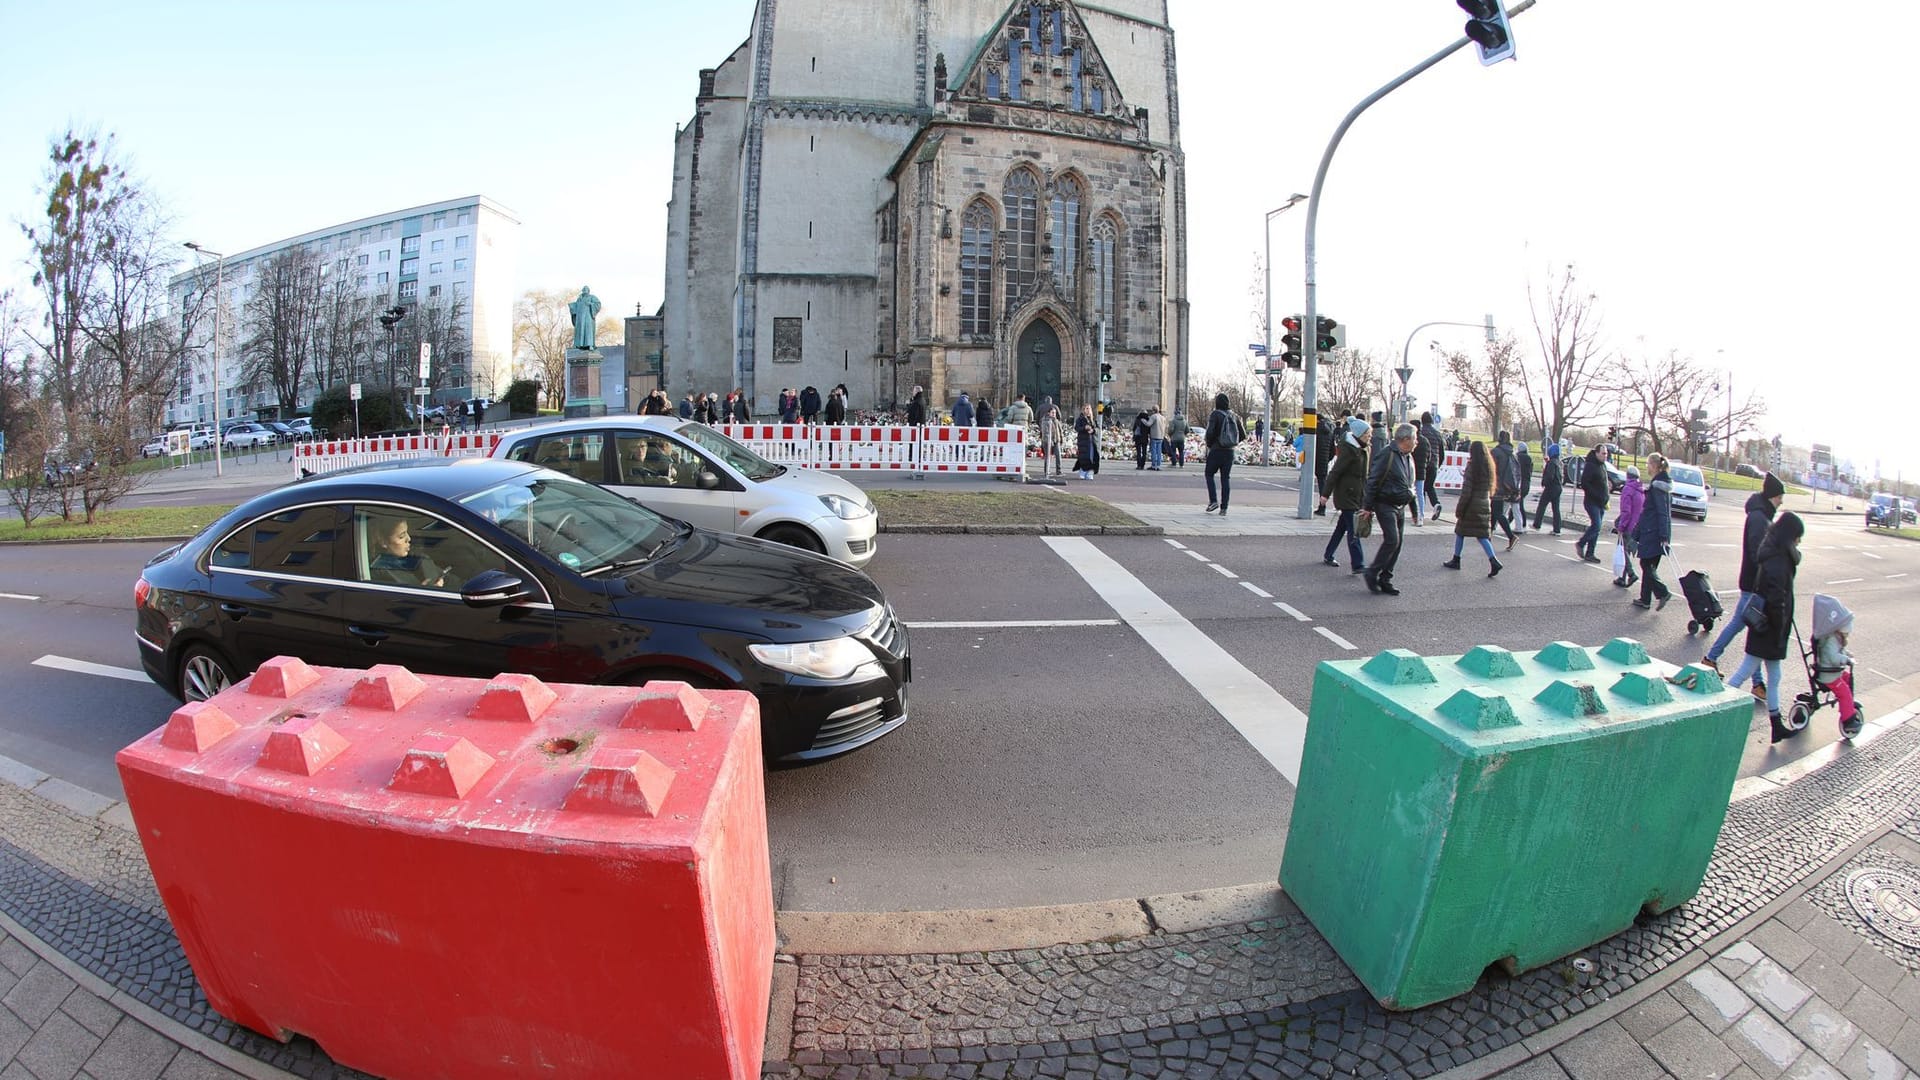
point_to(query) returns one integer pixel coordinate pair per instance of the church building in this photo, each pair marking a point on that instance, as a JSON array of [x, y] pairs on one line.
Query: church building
[[962, 195]]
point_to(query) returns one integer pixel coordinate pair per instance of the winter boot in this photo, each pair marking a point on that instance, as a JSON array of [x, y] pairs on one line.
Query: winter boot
[[1453, 563]]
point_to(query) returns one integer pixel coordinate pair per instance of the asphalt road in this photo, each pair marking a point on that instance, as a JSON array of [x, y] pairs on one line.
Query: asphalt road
[[1097, 749]]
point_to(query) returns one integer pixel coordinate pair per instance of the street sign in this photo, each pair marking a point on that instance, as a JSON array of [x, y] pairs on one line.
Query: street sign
[[353, 392], [1271, 371], [1258, 349], [426, 360]]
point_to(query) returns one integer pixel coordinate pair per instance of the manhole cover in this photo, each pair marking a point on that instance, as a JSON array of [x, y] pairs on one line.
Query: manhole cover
[[1890, 902]]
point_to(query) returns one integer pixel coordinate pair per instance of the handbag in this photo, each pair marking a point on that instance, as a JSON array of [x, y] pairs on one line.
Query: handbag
[[1363, 526], [1755, 614], [1619, 560]]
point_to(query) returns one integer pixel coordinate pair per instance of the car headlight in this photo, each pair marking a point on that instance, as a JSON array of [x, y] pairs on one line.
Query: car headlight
[[834, 659], [846, 508]]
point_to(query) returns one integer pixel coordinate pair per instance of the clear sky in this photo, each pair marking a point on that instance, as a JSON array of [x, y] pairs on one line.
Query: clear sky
[[1732, 181]]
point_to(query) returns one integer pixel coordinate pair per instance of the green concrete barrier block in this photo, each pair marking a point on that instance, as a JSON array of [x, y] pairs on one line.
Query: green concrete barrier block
[[1491, 662], [1449, 818]]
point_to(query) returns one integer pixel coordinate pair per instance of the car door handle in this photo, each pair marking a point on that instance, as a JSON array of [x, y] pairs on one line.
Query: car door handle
[[238, 611], [368, 634]]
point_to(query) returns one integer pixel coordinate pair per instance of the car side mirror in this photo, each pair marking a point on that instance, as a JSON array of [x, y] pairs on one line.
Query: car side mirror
[[494, 588], [706, 480]]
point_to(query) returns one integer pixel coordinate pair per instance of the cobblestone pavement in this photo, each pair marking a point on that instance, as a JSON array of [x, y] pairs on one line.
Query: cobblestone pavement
[[1769, 972]]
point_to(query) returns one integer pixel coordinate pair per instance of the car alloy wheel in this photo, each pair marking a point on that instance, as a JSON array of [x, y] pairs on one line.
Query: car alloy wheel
[[203, 674]]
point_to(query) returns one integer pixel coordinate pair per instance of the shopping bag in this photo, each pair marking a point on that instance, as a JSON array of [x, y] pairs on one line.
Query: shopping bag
[[1619, 560], [1363, 525]]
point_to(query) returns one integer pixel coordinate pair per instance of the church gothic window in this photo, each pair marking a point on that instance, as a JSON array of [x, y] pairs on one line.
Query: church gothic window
[[1063, 222], [1102, 250], [1022, 251], [976, 270]]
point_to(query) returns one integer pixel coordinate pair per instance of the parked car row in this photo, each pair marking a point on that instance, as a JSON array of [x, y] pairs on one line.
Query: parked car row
[[1889, 511]]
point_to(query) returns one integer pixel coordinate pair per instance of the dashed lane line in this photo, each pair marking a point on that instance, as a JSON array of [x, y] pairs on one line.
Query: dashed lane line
[[1224, 572], [83, 667], [1271, 724], [1298, 615], [16, 596], [1177, 545], [1335, 638], [1197, 555], [1883, 674], [1847, 581], [1256, 590], [1871, 555], [1890, 577], [1033, 624]]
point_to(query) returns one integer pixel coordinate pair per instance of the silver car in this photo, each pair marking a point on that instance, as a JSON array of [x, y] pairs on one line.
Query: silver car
[[1690, 491], [689, 471]]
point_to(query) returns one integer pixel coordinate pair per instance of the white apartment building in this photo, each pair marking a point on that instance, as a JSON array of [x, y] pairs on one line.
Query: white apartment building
[[461, 248]]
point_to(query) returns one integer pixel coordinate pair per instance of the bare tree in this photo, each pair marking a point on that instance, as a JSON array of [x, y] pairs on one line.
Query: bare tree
[[439, 322], [1560, 389], [1488, 379], [542, 334], [1651, 388], [281, 318], [1349, 379], [84, 190], [1706, 394], [346, 345]]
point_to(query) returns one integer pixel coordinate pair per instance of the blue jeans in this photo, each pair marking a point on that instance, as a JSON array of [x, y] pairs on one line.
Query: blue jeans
[[1153, 451], [1736, 622], [1356, 555], [1220, 460], [1596, 513], [1460, 543], [1750, 667]]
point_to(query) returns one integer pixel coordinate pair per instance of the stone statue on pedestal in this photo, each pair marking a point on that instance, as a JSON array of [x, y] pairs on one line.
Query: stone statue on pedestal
[[585, 309]]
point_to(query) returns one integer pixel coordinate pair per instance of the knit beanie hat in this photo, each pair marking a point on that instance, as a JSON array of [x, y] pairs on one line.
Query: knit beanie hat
[[1771, 487]]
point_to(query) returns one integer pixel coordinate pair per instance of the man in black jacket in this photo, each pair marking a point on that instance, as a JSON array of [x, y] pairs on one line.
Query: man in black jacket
[[1389, 493], [1432, 444], [1761, 506], [1595, 492], [1326, 438]]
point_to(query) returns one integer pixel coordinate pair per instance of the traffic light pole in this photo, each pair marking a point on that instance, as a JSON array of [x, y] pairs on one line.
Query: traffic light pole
[[1309, 419]]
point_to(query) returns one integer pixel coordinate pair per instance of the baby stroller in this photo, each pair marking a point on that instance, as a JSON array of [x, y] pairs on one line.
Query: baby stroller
[[1701, 601], [1829, 614]]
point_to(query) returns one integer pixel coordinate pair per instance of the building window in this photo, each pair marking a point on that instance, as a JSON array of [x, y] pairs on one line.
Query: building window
[[409, 290], [786, 340], [459, 265], [386, 254], [460, 217], [360, 282], [993, 85], [1063, 232], [386, 232], [409, 266], [460, 242], [434, 268], [1022, 247], [361, 261], [382, 279], [460, 290], [433, 290], [439, 221], [366, 235], [409, 245], [1102, 248], [437, 246], [976, 270]]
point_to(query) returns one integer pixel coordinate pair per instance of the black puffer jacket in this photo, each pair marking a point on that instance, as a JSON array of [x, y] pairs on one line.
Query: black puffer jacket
[[1760, 511], [1347, 478], [1593, 480], [1779, 561]]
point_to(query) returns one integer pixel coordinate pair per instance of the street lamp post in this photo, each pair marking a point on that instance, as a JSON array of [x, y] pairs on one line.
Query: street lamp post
[[1267, 312], [1406, 359], [219, 301]]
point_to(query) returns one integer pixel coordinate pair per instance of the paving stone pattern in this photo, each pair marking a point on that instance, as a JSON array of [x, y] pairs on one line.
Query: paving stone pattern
[[921, 1016]]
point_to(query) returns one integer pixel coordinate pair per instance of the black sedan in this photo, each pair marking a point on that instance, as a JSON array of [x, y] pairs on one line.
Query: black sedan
[[474, 567]]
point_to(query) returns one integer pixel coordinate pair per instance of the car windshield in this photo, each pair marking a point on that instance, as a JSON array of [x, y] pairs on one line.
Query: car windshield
[[741, 459], [582, 527], [1683, 474]]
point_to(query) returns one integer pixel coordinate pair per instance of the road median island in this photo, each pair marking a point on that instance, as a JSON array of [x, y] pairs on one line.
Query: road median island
[[164, 523], [998, 511]]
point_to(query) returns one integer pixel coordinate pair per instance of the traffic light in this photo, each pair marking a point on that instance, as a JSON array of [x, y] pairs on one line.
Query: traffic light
[[1291, 342], [1487, 28], [1106, 372], [1327, 334]]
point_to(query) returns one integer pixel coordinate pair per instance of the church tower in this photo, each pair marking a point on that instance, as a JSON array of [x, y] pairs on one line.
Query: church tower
[[958, 194]]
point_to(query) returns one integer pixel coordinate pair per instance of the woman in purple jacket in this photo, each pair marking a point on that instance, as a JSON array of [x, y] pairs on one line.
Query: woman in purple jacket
[[1633, 499]]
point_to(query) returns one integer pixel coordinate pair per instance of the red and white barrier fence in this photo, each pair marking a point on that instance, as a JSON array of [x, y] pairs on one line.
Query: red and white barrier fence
[[1453, 470], [331, 455]]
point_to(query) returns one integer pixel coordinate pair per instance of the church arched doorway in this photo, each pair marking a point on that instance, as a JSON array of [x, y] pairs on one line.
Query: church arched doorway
[[1037, 362]]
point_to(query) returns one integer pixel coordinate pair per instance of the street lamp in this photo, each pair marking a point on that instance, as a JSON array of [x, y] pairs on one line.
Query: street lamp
[[219, 301], [1267, 227], [1406, 363], [390, 319]]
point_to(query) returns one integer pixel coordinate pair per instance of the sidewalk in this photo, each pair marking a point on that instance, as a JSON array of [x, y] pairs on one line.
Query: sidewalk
[[1770, 971]]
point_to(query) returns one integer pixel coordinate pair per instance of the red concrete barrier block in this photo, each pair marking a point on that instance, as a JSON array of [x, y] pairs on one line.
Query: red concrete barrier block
[[470, 878]]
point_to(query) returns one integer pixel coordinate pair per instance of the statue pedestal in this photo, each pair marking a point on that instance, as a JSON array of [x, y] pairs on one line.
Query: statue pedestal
[[583, 384]]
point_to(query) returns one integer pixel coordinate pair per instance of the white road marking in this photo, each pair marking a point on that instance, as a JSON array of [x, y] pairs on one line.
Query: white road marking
[[1270, 723], [1871, 555], [1567, 557], [1537, 547], [1177, 545], [1224, 571], [1890, 577], [1256, 590], [16, 596], [1196, 555], [1847, 581], [1335, 638], [62, 663], [1036, 624], [1883, 674], [1298, 616]]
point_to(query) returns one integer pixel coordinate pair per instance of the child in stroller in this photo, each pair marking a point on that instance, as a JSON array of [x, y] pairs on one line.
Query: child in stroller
[[1830, 665]]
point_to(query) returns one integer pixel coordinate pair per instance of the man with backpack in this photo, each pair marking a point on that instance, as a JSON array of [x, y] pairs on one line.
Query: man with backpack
[[1223, 435]]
